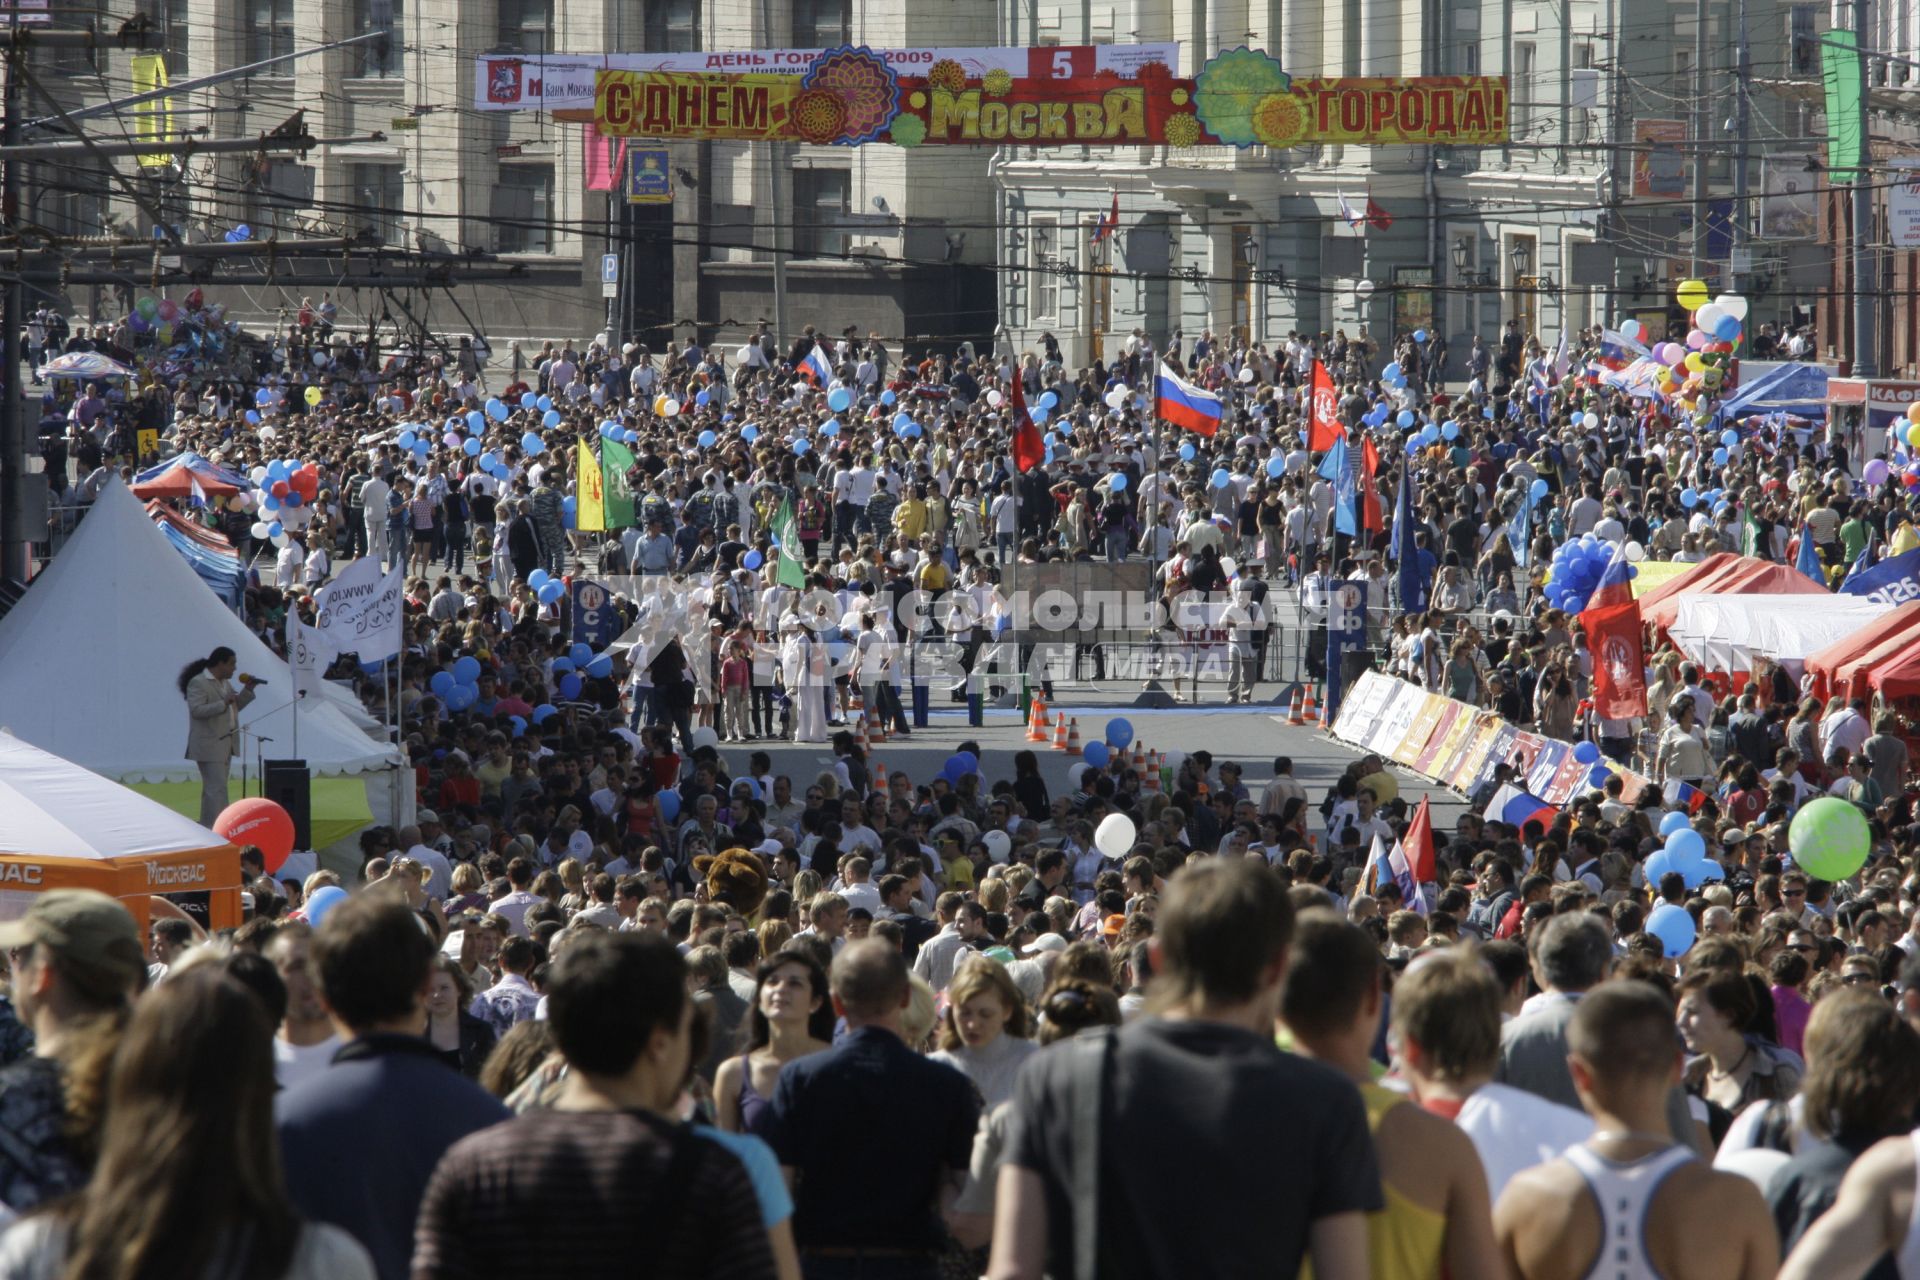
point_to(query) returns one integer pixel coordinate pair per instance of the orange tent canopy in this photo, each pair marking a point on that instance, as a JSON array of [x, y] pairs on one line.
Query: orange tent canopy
[[1745, 577]]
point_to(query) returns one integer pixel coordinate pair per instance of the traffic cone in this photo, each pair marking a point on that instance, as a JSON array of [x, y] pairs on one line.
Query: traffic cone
[[1153, 770], [1073, 736], [1296, 713], [1037, 731], [1139, 762], [1312, 712], [879, 776], [866, 743], [878, 730], [1060, 732]]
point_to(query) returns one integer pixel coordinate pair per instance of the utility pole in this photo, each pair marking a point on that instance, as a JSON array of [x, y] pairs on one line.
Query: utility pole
[[776, 207], [1866, 281], [1742, 125], [16, 543], [1700, 140]]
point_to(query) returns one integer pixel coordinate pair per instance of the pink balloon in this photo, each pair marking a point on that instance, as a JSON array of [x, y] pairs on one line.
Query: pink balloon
[[1696, 339], [451, 440], [1671, 353]]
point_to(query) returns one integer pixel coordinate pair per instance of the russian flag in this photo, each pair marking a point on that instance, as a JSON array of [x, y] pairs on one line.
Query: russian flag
[[1184, 405], [1517, 808], [816, 368], [1683, 795], [1616, 581]]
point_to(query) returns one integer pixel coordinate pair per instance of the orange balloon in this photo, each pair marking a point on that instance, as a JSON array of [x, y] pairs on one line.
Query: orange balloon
[[1913, 412], [259, 822]]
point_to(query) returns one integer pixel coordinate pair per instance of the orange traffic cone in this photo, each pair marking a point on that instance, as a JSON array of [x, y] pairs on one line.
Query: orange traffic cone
[[1060, 732], [879, 777], [1296, 713], [1073, 736], [1312, 712], [1037, 731], [866, 742], [878, 729], [1139, 762], [1153, 770]]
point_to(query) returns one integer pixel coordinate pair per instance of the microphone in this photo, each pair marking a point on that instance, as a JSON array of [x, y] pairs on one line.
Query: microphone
[[250, 681]]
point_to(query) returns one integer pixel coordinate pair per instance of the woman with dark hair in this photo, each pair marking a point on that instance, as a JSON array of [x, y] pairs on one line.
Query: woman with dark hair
[[790, 1018], [213, 730], [188, 1182], [1719, 1017], [1029, 788], [460, 1040]]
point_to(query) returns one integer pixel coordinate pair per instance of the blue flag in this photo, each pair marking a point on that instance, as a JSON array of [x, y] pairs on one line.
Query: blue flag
[[1336, 468], [1413, 583], [1861, 563], [1891, 582], [1808, 561]]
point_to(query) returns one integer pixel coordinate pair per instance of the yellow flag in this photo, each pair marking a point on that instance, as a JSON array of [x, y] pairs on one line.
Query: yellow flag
[[590, 491], [152, 121]]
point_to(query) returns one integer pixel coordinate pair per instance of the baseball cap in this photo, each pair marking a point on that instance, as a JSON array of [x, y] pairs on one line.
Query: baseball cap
[[427, 815], [1112, 926], [768, 848], [89, 931]]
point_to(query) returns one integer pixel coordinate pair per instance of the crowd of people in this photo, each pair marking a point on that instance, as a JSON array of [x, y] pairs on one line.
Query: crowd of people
[[624, 997]]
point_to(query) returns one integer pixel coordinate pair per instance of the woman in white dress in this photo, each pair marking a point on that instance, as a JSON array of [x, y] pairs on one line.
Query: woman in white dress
[[803, 669]]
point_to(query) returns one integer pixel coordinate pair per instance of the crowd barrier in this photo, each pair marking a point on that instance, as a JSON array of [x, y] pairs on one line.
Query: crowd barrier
[[1459, 745]]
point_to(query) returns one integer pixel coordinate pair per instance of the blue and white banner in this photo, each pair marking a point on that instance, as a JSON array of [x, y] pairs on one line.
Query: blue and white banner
[[595, 624], [1346, 629], [1891, 582]]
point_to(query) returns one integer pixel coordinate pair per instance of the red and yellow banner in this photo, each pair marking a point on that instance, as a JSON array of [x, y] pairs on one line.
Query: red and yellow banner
[[692, 104]]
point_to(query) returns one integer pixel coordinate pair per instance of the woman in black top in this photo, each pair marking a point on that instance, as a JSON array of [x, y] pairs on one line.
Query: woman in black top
[[459, 1039], [1029, 788]]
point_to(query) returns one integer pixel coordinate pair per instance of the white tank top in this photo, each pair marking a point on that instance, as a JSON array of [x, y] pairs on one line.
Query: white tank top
[[1625, 1195], [1907, 1259]]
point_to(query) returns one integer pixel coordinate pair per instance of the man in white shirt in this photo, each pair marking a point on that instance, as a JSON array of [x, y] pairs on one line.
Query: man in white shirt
[[420, 848], [1848, 729], [962, 922], [374, 496], [513, 907], [859, 889], [854, 832], [305, 1042]]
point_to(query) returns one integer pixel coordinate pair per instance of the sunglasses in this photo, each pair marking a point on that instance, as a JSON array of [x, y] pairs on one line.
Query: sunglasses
[[1860, 980]]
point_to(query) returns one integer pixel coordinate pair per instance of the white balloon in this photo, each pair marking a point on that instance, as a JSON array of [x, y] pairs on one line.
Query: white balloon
[[1077, 772], [1114, 837], [1246, 374], [267, 431], [1734, 305], [258, 475], [1228, 567], [999, 846], [1709, 316], [743, 355], [671, 409], [1636, 552], [705, 736], [260, 529], [995, 399], [1117, 398], [280, 540]]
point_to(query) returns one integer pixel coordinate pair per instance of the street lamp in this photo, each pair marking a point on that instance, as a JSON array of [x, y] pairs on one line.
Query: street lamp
[[1462, 256], [1250, 250], [1521, 256], [1250, 258]]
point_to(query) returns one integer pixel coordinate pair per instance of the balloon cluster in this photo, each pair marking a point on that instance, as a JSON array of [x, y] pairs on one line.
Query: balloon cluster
[[284, 490], [1393, 377], [1685, 851], [1694, 372], [546, 588], [959, 765], [1577, 567]]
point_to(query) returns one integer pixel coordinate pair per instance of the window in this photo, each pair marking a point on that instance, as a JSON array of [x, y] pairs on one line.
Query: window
[[373, 60], [269, 31], [1523, 63], [1470, 58], [1803, 47], [1043, 286], [526, 26], [378, 199], [820, 211], [1583, 56], [673, 26], [523, 209], [820, 24]]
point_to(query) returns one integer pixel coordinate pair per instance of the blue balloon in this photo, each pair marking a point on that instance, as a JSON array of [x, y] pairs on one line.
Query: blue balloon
[[461, 697], [1119, 734], [800, 447], [1720, 457], [562, 665], [1686, 846], [668, 802], [1420, 335], [497, 409], [887, 398], [466, 669], [529, 400], [1598, 775], [1689, 498], [830, 428], [1450, 431], [601, 667], [1220, 478], [263, 396], [1674, 927], [749, 433], [569, 512], [545, 712], [1275, 467], [476, 421], [275, 529], [902, 420], [570, 685], [839, 399], [471, 446], [1729, 438], [1586, 752], [551, 593], [1391, 373], [551, 418], [442, 681], [752, 560], [519, 724], [253, 416], [1675, 821], [538, 579], [1117, 482], [531, 445], [1048, 400], [1097, 753], [406, 441], [1404, 418], [1039, 415], [580, 654], [489, 460], [1728, 329], [1186, 452], [702, 399], [1538, 489], [708, 439], [321, 902], [545, 403]]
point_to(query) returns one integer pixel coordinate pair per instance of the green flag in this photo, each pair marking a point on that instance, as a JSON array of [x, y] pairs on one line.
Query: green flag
[[787, 530], [616, 460], [1840, 70]]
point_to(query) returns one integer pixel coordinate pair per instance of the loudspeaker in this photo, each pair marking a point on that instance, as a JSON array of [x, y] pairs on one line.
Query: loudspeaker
[[289, 784]]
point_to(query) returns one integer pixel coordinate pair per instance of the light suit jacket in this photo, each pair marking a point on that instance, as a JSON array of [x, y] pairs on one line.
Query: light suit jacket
[[213, 733]]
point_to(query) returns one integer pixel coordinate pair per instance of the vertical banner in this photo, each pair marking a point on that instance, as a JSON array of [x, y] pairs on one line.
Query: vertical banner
[[1660, 166], [1346, 629], [595, 624], [1789, 209], [605, 158], [616, 462], [1840, 73], [647, 180], [152, 121]]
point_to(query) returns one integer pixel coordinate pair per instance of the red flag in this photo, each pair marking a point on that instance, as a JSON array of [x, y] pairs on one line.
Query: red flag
[[1419, 845], [1617, 642], [1029, 449], [1372, 518], [1377, 217], [1323, 424]]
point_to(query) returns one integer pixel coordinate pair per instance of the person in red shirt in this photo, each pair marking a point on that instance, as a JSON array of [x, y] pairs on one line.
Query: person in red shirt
[[1533, 888], [1749, 799], [459, 787]]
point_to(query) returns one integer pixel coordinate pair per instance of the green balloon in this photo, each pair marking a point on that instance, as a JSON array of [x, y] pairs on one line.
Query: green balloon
[[1829, 838]]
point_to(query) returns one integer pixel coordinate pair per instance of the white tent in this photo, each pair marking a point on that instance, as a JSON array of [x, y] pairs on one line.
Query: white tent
[[1727, 632], [90, 656]]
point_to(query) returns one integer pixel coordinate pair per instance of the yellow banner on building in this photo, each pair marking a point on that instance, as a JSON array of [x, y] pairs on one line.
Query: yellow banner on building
[[693, 104], [152, 121], [590, 491]]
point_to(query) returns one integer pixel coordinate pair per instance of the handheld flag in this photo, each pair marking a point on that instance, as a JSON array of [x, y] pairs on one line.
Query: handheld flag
[[1109, 224], [787, 529], [1616, 581], [1894, 580], [816, 368], [1419, 844], [1413, 585], [590, 491], [1520, 530], [1029, 450], [1372, 519], [1808, 561], [616, 463], [1617, 641], [1517, 808], [1336, 469], [1184, 405], [199, 499], [1684, 796], [1323, 421]]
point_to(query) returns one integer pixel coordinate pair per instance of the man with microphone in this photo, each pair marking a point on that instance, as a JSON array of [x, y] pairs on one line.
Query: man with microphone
[[213, 730]]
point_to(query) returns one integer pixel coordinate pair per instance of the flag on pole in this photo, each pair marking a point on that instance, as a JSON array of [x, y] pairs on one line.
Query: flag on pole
[[1106, 226], [308, 655], [1616, 581], [1323, 423], [1377, 217], [815, 367], [1413, 586], [1617, 641], [199, 498], [787, 530], [1372, 519], [1419, 844], [616, 463], [1520, 530], [1029, 449], [589, 492], [1350, 215], [1334, 468], [1808, 561], [1861, 563], [1184, 405]]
